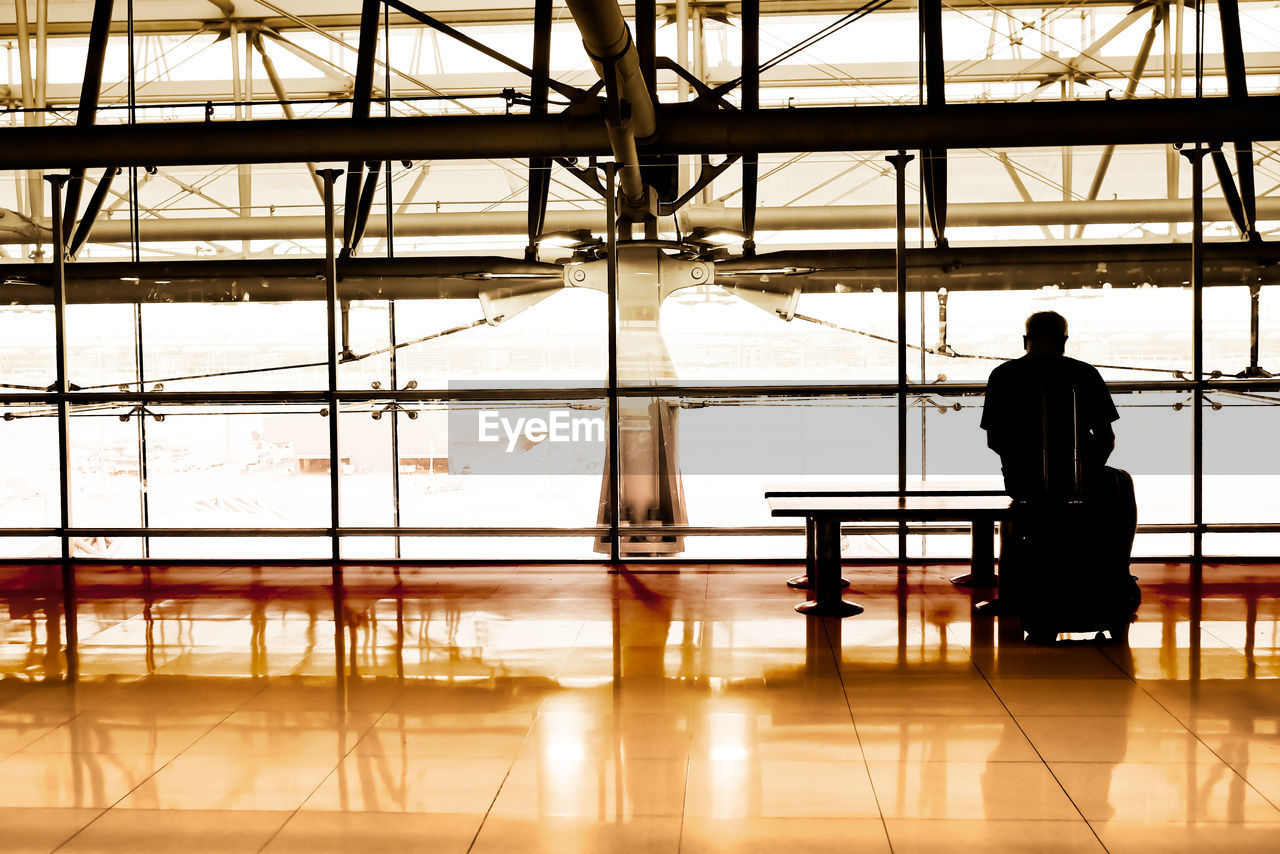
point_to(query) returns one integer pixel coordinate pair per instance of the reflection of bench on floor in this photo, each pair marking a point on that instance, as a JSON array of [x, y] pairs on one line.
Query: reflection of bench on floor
[[823, 511]]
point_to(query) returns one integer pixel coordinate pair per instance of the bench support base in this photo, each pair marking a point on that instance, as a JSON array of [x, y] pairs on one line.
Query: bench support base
[[969, 579], [982, 567], [823, 576], [805, 582], [838, 608], [801, 582]]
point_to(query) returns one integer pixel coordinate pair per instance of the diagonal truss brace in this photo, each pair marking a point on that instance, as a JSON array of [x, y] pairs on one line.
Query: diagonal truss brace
[[255, 39], [1139, 66], [933, 161], [539, 167], [359, 188], [570, 92], [90, 90], [1242, 202]]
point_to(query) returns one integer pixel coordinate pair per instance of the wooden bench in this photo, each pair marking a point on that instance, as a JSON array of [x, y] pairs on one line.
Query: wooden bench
[[823, 513]]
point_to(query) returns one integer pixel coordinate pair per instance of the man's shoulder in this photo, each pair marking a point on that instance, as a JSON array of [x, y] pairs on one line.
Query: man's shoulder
[[1080, 368], [1032, 369], [1005, 369]]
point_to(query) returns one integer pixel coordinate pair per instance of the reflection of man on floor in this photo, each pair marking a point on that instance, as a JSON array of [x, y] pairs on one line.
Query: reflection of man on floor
[[1049, 418]]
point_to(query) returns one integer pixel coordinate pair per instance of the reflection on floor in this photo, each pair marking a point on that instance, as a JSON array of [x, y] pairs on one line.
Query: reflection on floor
[[563, 709]]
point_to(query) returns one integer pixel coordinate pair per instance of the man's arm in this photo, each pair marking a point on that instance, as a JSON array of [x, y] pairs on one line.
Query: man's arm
[[996, 440], [1104, 442], [994, 414], [1102, 413]]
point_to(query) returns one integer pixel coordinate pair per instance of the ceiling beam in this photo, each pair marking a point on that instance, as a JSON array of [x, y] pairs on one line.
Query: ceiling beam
[[813, 271], [682, 131]]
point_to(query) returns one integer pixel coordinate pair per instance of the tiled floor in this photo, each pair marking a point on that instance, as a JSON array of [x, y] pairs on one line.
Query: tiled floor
[[562, 709]]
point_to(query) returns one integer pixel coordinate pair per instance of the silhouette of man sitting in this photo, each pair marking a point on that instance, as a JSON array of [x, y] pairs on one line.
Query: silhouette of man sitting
[[1033, 407], [1049, 418]]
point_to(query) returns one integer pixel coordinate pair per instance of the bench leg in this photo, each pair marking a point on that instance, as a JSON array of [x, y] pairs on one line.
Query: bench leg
[[826, 575], [982, 566], [805, 582]]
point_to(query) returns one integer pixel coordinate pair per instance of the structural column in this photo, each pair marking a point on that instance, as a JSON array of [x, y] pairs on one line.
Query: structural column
[[62, 389], [615, 422], [900, 161], [1196, 156], [750, 103], [329, 176]]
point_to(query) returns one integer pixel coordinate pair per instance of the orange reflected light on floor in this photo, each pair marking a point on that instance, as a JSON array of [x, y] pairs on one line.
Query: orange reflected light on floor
[[564, 709]]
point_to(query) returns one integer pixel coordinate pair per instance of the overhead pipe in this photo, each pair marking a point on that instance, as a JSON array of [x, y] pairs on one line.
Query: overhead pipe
[[608, 43], [42, 55], [35, 188], [17, 229], [972, 214]]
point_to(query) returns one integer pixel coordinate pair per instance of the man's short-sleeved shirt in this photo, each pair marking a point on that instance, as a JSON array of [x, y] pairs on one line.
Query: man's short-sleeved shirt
[[1034, 403]]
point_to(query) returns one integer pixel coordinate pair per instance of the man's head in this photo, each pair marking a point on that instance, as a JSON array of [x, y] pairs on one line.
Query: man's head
[[1046, 334]]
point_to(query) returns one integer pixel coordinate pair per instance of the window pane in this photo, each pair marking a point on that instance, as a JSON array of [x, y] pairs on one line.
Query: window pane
[[450, 477], [249, 467], [206, 346], [106, 479], [1242, 468], [26, 346], [101, 352], [561, 339], [365, 360], [366, 487], [29, 484], [240, 548]]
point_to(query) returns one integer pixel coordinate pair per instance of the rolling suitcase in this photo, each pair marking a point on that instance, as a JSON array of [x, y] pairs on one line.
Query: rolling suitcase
[[1069, 545], [1069, 573]]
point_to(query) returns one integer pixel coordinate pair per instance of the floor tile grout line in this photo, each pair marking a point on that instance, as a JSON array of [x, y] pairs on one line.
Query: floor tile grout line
[[336, 768], [519, 750], [489, 809], [684, 798], [12, 753], [1250, 658], [866, 766], [152, 775], [582, 627], [1193, 733], [101, 812], [1039, 755]]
